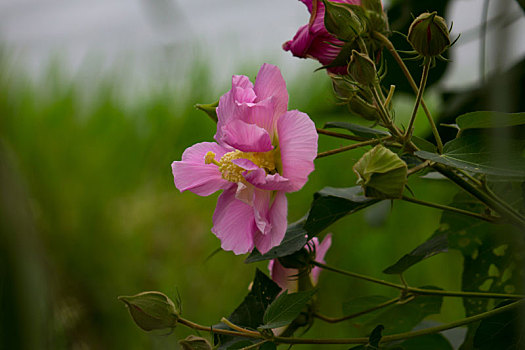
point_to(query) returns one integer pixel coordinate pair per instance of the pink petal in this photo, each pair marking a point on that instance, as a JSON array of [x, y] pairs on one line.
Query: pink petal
[[233, 223], [274, 182], [298, 144], [300, 43], [241, 81], [261, 208], [270, 84], [285, 278], [193, 174], [246, 137], [245, 164], [320, 252], [277, 218]]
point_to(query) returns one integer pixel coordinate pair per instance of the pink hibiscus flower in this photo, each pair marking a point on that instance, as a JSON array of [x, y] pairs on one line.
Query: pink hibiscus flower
[[287, 278], [262, 152], [313, 40]]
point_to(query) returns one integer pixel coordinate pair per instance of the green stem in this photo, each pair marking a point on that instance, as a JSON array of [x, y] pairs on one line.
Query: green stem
[[357, 314], [452, 209], [419, 291], [418, 168], [351, 147], [502, 209], [385, 339], [419, 96], [237, 328], [385, 115], [406, 72], [341, 136]]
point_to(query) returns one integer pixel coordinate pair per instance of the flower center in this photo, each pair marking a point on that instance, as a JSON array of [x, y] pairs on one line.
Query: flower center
[[232, 172]]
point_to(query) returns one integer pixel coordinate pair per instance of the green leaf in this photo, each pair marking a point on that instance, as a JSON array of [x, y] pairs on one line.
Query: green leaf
[[478, 153], [375, 336], [435, 245], [250, 313], [359, 304], [396, 318], [426, 342], [193, 342], [423, 144], [357, 129], [489, 119], [503, 331], [329, 205], [285, 309]]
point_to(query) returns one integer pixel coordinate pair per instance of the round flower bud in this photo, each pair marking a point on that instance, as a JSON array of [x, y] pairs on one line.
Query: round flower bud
[[152, 310], [428, 34], [362, 69]]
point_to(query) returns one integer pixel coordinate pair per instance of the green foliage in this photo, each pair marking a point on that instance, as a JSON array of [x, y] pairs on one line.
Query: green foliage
[[357, 129], [474, 152], [502, 331], [283, 310], [489, 119], [250, 313], [396, 318]]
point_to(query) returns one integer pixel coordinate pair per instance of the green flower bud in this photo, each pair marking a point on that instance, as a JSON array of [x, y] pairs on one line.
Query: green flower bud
[[193, 342], [342, 21], [152, 310], [428, 34], [362, 69], [360, 107], [381, 173]]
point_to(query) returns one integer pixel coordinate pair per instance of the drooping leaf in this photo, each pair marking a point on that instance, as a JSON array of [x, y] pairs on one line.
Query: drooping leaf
[[436, 244], [503, 331], [329, 205], [285, 309], [250, 313], [481, 154], [357, 129], [489, 119]]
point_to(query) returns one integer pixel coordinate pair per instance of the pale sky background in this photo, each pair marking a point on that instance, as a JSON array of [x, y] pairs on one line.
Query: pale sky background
[[150, 40]]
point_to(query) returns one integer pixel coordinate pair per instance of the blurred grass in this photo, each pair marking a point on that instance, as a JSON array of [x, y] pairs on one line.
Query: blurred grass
[[96, 179]]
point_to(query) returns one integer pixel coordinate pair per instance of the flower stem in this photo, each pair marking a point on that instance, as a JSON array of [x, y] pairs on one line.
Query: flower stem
[[341, 136], [452, 209], [385, 339], [237, 328], [419, 291], [504, 210], [350, 147], [419, 96], [384, 113], [406, 72], [357, 314]]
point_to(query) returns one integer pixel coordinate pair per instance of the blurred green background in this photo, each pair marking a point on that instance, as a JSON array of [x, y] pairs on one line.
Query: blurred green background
[[96, 214], [89, 211]]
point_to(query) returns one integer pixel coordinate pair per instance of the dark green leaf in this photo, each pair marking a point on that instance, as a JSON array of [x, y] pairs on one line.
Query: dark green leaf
[[426, 342], [478, 153], [489, 119], [423, 144], [294, 239], [357, 129], [330, 204], [360, 304], [396, 318], [250, 312], [285, 309], [375, 336], [503, 331], [268, 346], [436, 244]]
